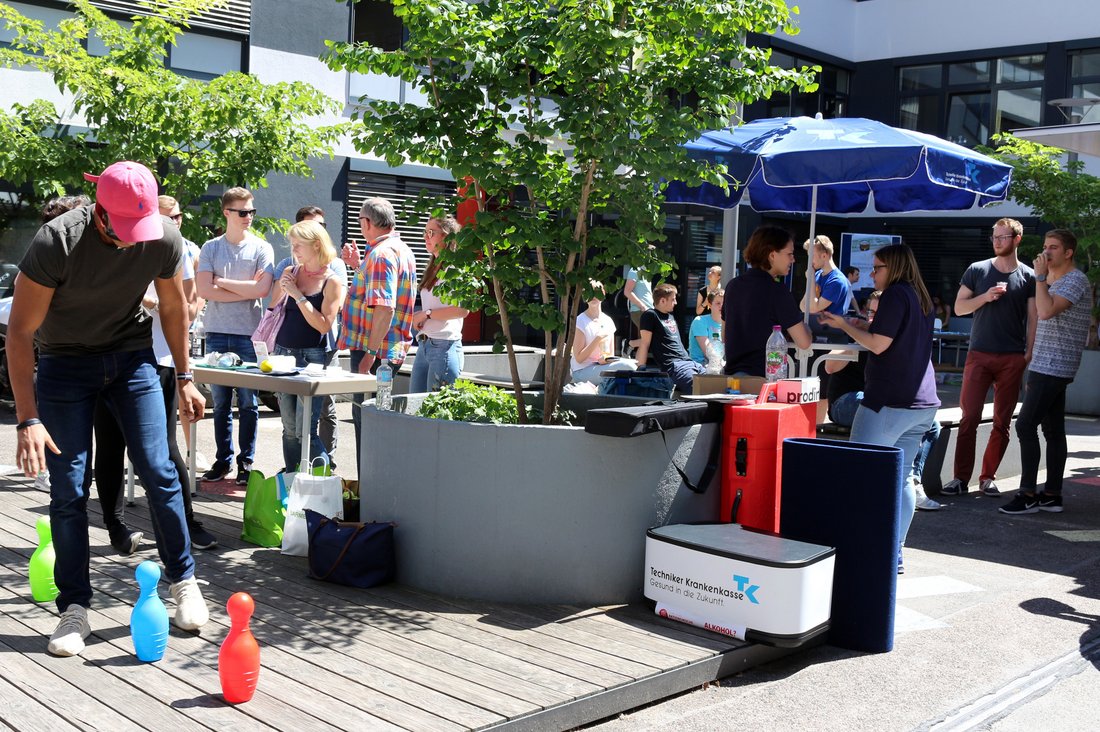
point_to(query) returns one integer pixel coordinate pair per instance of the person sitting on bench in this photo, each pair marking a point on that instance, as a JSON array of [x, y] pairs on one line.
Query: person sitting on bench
[[660, 341]]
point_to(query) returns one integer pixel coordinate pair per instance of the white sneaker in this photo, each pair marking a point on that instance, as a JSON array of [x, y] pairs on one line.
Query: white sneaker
[[990, 488], [42, 481], [191, 611], [72, 629], [924, 503]]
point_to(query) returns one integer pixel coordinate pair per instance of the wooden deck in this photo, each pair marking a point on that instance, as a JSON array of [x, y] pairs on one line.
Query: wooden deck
[[332, 657]]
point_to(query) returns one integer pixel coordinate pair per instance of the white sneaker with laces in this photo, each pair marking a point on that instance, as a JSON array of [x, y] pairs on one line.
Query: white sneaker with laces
[[42, 481], [924, 503], [72, 629], [191, 610]]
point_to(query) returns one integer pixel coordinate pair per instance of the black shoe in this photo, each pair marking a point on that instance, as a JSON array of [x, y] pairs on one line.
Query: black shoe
[[124, 539], [200, 537], [217, 471], [1049, 502], [1021, 504], [243, 469]]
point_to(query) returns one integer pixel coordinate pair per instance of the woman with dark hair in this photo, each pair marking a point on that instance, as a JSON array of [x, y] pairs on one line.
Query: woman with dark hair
[[439, 339], [756, 301], [899, 396]]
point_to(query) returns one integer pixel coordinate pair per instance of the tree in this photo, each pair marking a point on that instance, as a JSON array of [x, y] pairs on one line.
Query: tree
[[232, 130], [567, 116], [1060, 193]]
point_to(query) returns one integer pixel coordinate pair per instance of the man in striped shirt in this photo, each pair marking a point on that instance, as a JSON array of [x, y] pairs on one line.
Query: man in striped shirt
[[377, 317]]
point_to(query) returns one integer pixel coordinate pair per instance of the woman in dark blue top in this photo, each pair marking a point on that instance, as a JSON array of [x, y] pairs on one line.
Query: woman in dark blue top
[[314, 299], [899, 397]]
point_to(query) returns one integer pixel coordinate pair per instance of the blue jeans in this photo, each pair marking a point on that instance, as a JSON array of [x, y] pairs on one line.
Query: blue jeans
[[927, 440], [843, 410], [902, 428], [247, 403], [438, 362], [67, 389], [290, 404], [1044, 405]]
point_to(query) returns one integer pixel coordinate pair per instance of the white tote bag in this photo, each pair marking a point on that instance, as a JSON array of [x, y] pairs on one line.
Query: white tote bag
[[321, 493]]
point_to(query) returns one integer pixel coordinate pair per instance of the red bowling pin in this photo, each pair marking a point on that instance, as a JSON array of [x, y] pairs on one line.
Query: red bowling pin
[[239, 658]]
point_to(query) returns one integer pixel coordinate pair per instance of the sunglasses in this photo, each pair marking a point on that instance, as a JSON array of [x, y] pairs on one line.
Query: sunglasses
[[176, 217], [244, 213]]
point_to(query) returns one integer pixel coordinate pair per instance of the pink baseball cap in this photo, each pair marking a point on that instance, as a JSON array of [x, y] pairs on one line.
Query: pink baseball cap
[[128, 192]]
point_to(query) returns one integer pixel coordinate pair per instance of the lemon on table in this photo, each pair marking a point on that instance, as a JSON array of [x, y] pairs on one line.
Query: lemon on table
[[266, 366]]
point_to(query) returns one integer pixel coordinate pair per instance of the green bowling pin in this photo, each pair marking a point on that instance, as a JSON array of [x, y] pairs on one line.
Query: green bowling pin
[[41, 570]]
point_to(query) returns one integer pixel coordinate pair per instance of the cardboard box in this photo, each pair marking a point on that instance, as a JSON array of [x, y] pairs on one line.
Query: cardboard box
[[743, 584], [720, 384]]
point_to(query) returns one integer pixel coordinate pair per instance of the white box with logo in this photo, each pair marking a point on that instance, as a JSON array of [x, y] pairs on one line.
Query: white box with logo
[[798, 391], [741, 583]]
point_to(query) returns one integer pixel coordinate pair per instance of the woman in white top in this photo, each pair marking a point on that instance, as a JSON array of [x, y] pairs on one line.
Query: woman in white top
[[593, 343], [438, 358]]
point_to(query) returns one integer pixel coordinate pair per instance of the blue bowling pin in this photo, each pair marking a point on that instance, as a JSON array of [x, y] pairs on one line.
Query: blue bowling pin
[[149, 618]]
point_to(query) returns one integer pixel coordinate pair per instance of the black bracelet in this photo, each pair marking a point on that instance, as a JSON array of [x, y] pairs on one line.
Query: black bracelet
[[28, 423]]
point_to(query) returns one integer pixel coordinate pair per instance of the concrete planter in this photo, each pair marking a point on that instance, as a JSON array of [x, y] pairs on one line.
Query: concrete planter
[[526, 514], [1083, 396]]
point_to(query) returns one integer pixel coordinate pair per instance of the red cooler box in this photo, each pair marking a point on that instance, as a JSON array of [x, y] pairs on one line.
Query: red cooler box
[[752, 458]]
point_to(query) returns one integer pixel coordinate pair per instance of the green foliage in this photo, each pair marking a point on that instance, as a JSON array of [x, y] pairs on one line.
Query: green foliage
[[233, 130], [562, 112], [1060, 193], [466, 402]]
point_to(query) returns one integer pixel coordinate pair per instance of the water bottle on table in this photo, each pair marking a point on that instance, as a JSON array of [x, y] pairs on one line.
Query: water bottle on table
[[775, 355], [383, 399]]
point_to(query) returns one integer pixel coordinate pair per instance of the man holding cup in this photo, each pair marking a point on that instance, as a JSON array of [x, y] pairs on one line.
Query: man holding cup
[[1000, 293]]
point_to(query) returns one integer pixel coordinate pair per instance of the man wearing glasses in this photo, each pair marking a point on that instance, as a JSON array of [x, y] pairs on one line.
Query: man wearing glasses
[[234, 276], [377, 316], [1000, 293], [79, 292]]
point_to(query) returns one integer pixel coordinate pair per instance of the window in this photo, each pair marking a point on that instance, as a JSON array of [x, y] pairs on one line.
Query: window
[[402, 192], [376, 24], [204, 57], [50, 18], [1085, 71], [830, 99], [969, 101]]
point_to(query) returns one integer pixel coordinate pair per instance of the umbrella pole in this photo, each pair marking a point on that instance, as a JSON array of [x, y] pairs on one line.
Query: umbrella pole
[[804, 356]]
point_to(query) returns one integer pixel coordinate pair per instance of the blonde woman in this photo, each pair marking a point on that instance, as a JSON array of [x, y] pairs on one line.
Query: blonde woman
[[711, 287], [314, 299]]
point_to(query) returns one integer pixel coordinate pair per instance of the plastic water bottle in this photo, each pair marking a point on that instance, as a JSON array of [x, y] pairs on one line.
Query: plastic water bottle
[[198, 335], [775, 355], [383, 399]]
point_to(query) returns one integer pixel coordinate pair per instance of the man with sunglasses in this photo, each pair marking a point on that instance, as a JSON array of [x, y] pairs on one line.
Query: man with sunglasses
[[79, 293], [1000, 293], [234, 276]]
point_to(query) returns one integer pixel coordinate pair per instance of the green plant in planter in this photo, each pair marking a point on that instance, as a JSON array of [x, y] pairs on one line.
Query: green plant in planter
[[563, 119], [467, 402]]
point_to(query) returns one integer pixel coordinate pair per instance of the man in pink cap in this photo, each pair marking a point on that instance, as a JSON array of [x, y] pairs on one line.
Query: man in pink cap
[[79, 291]]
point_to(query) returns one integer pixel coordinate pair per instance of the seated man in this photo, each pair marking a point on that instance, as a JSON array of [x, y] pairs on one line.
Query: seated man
[[845, 392], [660, 343]]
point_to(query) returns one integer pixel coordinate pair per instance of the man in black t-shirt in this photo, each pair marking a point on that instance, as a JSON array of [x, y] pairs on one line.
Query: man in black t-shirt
[[660, 341]]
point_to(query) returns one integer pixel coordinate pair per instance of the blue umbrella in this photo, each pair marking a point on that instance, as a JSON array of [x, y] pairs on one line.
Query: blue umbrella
[[811, 165]]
